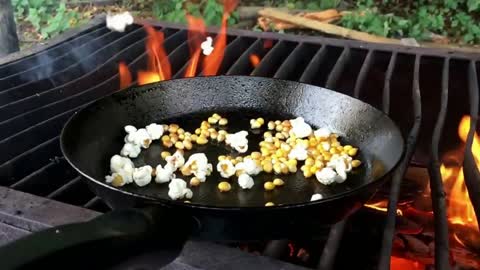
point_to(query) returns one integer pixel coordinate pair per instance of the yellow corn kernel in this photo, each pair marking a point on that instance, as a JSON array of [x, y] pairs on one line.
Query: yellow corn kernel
[[313, 169], [319, 164], [198, 131], [180, 131], [165, 138], [269, 204], [352, 152], [267, 167], [181, 137], [239, 172], [212, 120], [284, 168], [194, 182], [168, 144], [222, 157], [179, 145], [292, 168], [172, 128], [194, 137], [261, 120], [221, 137], [271, 125], [304, 168], [333, 151], [327, 156], [309, 161], [165, 154], [267, 134], [205, 133], [224, 186], [188, 144], [216, 116], [256, 155], [334, 144], [278, 182], [239, 159], [314, 152], [277, 168], [117, 181], [276, 144], [204, 125], [201, 140], [186, 171], [307, 173], [269, 186], [187, 134], [214, 135], [312, 142], [356, 163], [279, 136], [278, 128], [278, 122], [279, 153], [340, 148], [347, 147], [223, 121]]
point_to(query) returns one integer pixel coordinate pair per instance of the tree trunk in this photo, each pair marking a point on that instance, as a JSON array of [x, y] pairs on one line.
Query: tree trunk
[[8, 32]]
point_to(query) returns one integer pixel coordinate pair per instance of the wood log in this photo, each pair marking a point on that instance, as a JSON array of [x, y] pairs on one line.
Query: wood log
[[8, 29], [325, 27]]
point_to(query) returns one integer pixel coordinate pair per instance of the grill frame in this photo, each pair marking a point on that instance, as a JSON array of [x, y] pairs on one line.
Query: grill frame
[[284, 42]]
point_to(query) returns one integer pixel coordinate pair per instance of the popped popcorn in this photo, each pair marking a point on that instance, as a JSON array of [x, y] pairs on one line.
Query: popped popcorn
[[143, 175], [249, 166], [177, 189], [299, 128], [130, 150], [298, 153], [226, 168], [155, 131], [245, 181], [122, 171], [164, 174], [176, 160], [206, 46], [238, 141], [118, 22], [316, 197], [322, 133], [199, 166], [327, 176]]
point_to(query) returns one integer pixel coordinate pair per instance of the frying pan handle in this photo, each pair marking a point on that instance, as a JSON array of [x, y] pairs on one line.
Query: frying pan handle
[[102, 242]]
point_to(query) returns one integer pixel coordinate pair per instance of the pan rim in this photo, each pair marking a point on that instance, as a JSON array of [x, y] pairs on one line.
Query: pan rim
[[179, 203]]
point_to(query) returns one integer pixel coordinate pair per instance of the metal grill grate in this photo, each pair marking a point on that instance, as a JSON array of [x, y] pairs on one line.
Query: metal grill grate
[[40, 92]]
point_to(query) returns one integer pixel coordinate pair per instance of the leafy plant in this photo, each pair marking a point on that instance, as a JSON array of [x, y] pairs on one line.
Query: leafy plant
[[48, 17], [174, 10]]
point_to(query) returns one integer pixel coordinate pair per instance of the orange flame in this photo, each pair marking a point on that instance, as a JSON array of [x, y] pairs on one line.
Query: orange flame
[[125, 75], [382, 206], [460, 210], [255, 60], [196, 34], [158, 64], [267, 44], [397, 263], [212, 62]]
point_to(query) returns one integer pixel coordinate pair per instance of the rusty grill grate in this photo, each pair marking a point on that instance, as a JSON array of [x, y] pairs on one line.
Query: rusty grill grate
[[39, 92]]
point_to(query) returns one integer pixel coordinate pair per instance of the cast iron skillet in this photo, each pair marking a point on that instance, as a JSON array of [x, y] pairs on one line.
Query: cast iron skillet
[[150, 218]]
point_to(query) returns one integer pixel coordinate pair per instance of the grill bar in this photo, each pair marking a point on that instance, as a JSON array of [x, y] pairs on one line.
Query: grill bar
[[338, 69], [243, 65], [294, 65], [388, 78], [273, 58], [362, 75], [330, 250], [389, 231], [437, 190], [470, 170], [276, 249], [71, 184], [313, 67]]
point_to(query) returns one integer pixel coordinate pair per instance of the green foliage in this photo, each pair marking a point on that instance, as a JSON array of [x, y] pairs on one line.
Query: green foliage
[[312, 5], [421, 19], [48, 17], [174, 11]]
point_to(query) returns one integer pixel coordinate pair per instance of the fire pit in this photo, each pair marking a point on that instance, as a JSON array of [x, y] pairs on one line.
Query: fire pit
[[410, 224]]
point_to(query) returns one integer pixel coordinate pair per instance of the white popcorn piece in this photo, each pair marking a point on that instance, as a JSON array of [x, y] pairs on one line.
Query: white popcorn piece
[[300, 128], [164, 174], [238, 141], [316, 197], [123, 167], [327, 176], [118, 22], [177, 189], [130, 150], [130, 129], [142, 138], [176, 160], [203, 167], [298, 152], [249, 166], [206, 46], [226, 168], [326, 146], [143, 175], [155, 131], [245, 181], [322, 133], [342, 164], [110, 178]]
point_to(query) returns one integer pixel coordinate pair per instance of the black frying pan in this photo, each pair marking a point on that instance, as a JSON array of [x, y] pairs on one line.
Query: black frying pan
[[96, 133]]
